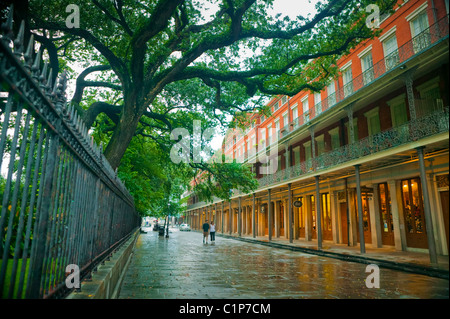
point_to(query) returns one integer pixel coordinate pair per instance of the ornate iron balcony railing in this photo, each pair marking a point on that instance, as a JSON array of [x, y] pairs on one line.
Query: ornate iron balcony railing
[[429, 125], [384, 140], [418, 44]]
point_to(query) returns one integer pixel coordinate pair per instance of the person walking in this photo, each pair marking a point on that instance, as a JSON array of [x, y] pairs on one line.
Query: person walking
[[212, 232], [205, 232]]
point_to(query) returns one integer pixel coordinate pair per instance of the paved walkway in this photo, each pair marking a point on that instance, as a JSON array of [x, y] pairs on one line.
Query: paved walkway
[[416, 262], [182, 267]]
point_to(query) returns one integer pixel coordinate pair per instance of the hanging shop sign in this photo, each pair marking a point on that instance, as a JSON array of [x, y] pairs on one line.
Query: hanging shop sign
[[297, 203]]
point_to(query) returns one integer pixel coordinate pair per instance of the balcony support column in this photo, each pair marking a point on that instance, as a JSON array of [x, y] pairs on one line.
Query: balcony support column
[[313, 142], [290, 219], [221, 216], [318, 214], [360, 211], [254, 216], [351, 130], [216, 214], [230, 225], [427, 207], [408, 79], [269, 212], [239, 221]]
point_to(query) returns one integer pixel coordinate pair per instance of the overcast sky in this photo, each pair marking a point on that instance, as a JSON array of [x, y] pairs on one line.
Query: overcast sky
[[291, 8]]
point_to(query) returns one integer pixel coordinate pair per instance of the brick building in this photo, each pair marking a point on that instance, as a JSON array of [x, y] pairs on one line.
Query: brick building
[[374, 141]]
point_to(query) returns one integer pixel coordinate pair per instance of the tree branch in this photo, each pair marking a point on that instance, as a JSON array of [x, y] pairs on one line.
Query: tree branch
[[158, 21], [117, 64], [120, 21], [81, 84], [119, 5], [112, 111]]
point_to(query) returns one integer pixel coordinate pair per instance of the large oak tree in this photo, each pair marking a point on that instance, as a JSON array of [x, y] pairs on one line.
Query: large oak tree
[[164, 62]]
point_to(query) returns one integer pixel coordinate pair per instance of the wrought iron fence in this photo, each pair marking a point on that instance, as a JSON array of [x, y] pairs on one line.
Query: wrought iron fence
[[61, 202]]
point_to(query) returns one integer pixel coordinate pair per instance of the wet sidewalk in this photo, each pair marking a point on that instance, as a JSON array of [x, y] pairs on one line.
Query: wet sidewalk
[[415, 262], [182, 267]]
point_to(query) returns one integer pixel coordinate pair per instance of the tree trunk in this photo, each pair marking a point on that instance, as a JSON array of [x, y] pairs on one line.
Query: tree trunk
[[121, 138]]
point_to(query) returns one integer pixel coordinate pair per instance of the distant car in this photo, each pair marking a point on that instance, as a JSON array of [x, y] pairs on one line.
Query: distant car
[[185, 227]]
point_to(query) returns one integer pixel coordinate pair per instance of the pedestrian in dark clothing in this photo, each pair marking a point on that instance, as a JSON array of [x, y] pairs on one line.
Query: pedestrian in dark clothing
[[205, 232]]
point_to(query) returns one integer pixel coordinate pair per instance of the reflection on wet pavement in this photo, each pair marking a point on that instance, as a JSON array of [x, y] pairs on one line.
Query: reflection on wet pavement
[[183, 267]]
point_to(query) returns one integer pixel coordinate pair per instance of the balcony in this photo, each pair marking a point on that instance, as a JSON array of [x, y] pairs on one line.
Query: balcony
[[423, 41], [432, 124], [368, 76], [432, 117]]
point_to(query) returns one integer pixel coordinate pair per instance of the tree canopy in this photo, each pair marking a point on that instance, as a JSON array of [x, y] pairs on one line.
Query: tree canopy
[[154, 65]]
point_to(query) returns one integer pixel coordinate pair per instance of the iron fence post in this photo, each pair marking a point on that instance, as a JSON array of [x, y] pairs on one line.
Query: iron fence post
[[40, 237]]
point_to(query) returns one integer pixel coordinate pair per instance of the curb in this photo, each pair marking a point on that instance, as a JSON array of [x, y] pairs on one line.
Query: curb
[[406, 267], [106, 281]]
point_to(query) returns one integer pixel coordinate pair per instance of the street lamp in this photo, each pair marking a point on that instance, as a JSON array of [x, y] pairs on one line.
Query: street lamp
[[167, 229], [167, 222]]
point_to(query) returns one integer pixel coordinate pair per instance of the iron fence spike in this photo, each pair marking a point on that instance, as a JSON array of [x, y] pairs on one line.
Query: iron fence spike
[[7, 25], [63, 81], [18, 42], [53, 93], [49, 79], [42, 78], [69, 110], [74, 121], [80, 123], [55, 86], [61, 91], [36, 65], [72, 113], [29, 53]]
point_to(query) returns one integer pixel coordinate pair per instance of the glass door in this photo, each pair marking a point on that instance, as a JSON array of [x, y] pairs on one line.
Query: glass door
[[281, 218], [387, 226], [420, 32], [301, 219], [326, 217], [348, 81], [367, 68], [391, 56], [313, 217], [413, 213], [366, 217], [344, 221]]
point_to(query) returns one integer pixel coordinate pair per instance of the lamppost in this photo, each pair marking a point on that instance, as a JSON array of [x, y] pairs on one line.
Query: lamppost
[[167, 221]]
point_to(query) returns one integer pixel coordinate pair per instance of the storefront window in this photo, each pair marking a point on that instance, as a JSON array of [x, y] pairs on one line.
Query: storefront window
[[326, 214], [301, 217], [413, 206], [313, 212], [385, 208], [366, 213]]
